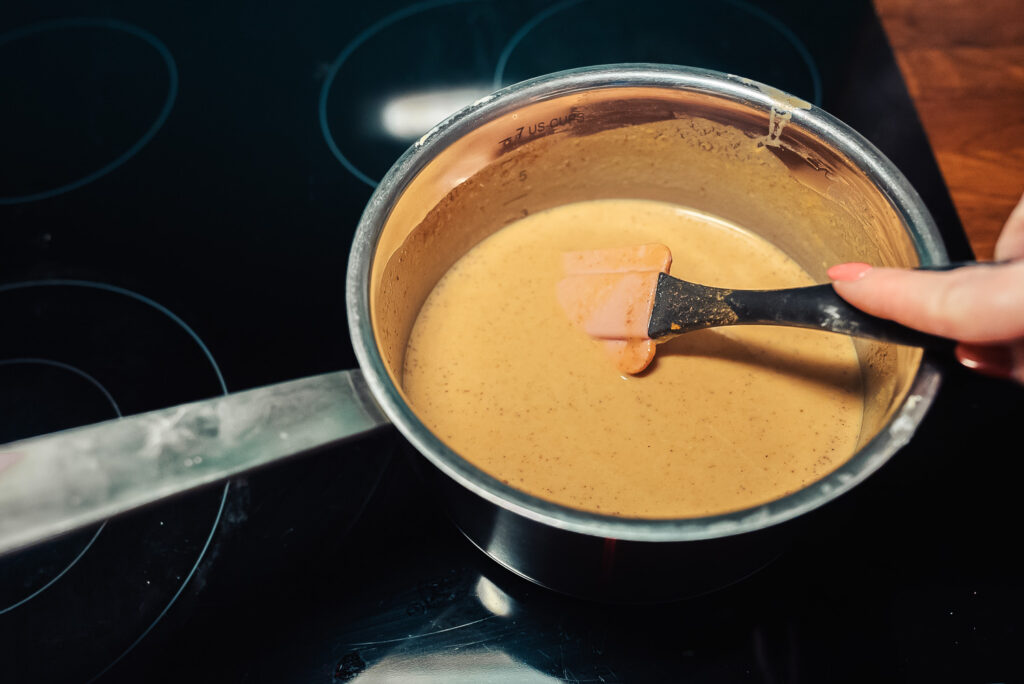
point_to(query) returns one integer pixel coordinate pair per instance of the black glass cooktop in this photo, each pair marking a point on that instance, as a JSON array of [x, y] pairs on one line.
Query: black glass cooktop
[[179, 186]]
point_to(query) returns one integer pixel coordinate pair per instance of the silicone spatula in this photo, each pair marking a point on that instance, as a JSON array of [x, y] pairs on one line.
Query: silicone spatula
[[622, 298]]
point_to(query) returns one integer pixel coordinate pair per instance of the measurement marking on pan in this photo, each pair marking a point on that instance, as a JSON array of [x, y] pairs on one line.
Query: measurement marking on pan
[[540, 128], [514, 199]]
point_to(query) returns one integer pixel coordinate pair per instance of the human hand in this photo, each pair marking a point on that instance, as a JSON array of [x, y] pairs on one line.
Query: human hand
[[981, 306]]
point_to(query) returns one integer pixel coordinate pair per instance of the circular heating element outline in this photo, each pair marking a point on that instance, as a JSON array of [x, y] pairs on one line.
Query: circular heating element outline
[[117, 410], [8, 287], [172, 94], [347, 52], [777, 25]]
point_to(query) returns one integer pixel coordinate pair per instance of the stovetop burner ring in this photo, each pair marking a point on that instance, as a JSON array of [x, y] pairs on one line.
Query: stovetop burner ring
[[776, 24], [88, 545], [343, 57], [186, 577], [172, 94]]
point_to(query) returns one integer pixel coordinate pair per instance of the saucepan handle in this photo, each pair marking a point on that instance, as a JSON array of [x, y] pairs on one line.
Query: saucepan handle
[[60, 482]]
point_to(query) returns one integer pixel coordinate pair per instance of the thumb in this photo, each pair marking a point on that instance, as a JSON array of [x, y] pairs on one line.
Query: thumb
[[978, 304], [1010, 244]]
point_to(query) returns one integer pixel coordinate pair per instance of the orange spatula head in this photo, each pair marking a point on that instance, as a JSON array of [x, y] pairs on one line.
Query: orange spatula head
[[609, 294]]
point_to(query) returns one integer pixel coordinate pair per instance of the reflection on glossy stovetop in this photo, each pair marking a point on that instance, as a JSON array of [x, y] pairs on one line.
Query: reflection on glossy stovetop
[[179, 186], [908, 578]]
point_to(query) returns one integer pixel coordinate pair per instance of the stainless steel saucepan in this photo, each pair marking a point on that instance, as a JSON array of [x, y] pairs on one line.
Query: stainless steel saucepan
[[715, 142]]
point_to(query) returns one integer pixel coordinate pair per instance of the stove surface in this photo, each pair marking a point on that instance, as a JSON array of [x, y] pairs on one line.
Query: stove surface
[[179, 187]]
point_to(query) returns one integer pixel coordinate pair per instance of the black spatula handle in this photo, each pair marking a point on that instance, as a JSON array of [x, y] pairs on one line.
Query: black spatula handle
[[817, 307]]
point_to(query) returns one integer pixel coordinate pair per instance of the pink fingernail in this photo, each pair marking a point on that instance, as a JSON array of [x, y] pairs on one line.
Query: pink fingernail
[[995, 361], [849, 272]]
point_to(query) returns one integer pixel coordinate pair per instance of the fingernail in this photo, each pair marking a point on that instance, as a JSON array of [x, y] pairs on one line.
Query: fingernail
[[848, 272], [995, 361]]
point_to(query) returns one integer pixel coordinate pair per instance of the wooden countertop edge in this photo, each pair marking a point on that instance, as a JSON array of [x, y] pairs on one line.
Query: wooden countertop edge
[[963, 63]]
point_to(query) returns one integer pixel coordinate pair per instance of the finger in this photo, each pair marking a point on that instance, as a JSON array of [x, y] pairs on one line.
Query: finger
[[979, 304], [1010, 244]]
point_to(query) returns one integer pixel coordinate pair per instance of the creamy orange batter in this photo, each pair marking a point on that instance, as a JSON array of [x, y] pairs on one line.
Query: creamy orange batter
[[722, 420]]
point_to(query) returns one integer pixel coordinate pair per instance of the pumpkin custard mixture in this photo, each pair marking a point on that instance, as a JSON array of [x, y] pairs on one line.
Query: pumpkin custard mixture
[[723, 419]]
